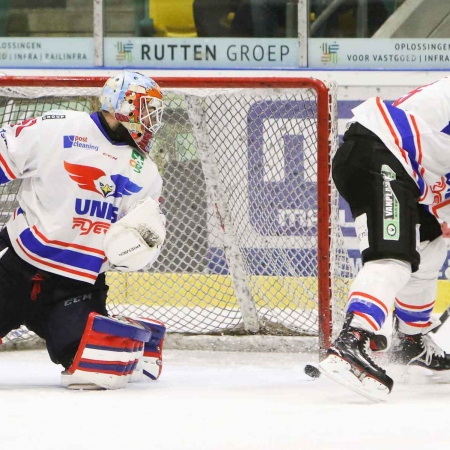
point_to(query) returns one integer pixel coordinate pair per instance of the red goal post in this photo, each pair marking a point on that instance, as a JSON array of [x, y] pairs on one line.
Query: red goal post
[[254, 244]]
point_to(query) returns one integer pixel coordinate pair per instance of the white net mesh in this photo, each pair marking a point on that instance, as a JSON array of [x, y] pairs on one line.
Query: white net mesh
[[240, 195]]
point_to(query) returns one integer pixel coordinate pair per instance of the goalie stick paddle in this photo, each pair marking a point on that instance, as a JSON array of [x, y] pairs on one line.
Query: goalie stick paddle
[[444, 316]]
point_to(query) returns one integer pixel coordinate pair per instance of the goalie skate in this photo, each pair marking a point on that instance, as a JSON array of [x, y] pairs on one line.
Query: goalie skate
[[349, 364], [75, 383]]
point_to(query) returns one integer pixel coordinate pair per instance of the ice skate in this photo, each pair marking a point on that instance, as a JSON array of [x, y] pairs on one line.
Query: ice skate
[[348, 363], [420, 350]]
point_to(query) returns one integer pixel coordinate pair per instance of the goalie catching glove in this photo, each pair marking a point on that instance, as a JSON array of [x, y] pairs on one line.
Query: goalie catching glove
[[135, 241]]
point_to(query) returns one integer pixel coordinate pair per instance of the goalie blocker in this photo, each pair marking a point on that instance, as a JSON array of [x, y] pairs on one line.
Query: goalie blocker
[[114, 351], [134, 242]]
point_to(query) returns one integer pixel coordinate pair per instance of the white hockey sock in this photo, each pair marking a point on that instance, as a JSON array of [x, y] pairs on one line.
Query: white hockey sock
[[415, 302], [373, 292]]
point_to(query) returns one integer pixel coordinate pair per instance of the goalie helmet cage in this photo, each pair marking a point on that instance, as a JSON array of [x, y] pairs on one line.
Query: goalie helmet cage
[[254, 244]]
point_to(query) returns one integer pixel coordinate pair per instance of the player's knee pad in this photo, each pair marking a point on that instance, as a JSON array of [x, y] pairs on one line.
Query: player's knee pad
[[108, 352]]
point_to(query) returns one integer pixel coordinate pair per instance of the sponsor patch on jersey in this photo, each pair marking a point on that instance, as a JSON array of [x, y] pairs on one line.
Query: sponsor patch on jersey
[[80, 142], [137, 161], [53, 116], [109, 156]]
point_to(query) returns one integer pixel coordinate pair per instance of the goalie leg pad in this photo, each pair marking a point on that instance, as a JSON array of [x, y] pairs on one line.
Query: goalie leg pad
[[108, 352], [152, 359]]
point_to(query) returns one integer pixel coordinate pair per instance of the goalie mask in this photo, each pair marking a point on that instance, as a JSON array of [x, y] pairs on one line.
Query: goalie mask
[[136, 102]]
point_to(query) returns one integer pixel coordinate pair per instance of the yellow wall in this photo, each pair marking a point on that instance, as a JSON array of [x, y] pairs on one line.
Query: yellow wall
[[202, 290]]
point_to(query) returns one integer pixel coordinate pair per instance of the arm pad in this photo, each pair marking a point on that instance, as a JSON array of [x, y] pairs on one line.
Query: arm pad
[[135, 241]]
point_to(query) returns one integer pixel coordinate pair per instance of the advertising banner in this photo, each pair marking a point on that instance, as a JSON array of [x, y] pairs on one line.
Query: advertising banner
[[378, 53], [50, 52], [201, 52], [151, 52]]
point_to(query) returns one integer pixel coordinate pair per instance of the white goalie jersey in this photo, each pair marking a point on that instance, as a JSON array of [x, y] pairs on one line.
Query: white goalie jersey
[[76, 182]]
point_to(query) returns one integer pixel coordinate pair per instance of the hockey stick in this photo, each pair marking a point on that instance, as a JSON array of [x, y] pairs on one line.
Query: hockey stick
[[442, 319], [444, 316]]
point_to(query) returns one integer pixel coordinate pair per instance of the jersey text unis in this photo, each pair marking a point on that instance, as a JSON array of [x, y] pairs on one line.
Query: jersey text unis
[[75, 183], [416, 128]]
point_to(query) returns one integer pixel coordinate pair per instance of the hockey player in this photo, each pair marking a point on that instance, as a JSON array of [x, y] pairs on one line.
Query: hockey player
[[88, 201], [393, 169]]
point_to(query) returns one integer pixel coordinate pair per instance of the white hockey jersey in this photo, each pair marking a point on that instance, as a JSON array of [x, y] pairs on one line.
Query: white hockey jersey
[[75, 183], [416, 128]]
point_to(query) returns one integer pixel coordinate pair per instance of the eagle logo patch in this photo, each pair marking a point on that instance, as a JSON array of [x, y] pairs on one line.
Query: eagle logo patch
[[94, 179]]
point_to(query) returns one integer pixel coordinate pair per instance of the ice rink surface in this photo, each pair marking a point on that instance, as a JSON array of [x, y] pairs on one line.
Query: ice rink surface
[[215, 401]]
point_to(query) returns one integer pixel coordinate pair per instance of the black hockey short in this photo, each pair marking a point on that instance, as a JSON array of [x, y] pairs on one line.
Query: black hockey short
[[382, 195], [56, 308]]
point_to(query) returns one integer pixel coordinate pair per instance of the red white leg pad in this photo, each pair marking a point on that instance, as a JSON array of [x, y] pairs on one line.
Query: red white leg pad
[[108, 353], [150, 363]]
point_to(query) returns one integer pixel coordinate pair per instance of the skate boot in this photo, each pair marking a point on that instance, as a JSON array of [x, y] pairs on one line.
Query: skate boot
[[419, 350], [348, 362]]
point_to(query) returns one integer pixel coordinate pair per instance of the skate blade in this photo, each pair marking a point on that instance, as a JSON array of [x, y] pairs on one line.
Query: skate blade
[[440, 376], [85, 387], [421, 375], [338, 370], [399, 374]]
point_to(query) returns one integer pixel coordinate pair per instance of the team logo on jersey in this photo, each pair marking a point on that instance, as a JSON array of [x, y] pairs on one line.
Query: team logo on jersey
[[24, 124], [438, 189], [87, 226], [95, 180]]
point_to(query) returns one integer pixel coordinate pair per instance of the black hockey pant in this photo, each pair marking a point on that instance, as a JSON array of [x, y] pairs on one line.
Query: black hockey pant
[[357, 174], [56, 308]]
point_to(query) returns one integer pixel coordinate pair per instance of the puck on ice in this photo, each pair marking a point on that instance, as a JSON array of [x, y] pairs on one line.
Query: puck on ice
[[312, 371]]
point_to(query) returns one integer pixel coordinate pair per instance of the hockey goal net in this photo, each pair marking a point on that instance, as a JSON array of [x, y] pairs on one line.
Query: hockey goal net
[[254, 244]]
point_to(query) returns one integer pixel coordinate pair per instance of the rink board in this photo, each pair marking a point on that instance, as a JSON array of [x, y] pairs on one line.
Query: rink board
[[206, 290], [209, 290]]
